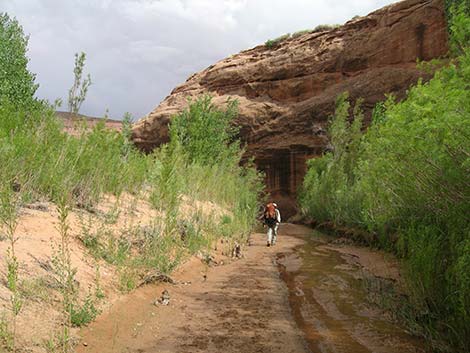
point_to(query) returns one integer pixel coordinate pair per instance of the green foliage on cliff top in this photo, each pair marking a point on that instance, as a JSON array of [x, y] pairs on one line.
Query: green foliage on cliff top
[[272, 43]]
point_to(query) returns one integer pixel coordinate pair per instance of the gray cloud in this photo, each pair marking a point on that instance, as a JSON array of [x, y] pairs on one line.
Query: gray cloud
[[138, 50]]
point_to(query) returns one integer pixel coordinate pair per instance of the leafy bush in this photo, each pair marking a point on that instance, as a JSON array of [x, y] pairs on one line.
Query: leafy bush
[[300, 33], [6, 336], [406, 181], [16, 82], [271, 43], [206, 166], [323, 28], [460, 35], [205, 133], [332, 176], [84, 314], [451, 5]]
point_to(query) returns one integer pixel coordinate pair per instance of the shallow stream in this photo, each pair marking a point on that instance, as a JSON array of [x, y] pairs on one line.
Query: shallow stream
[[329, 302]]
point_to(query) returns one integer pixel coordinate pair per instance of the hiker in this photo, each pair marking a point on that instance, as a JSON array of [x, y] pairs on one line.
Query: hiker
[[272, 219]]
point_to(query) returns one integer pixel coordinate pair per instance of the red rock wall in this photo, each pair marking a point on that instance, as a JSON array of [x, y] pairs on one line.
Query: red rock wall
[[287, 93]]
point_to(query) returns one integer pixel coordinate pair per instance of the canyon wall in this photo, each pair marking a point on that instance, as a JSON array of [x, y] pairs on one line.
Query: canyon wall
[[287, 92]]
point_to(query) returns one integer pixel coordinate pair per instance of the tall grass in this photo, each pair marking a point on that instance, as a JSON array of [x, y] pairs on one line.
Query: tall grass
[[202, 161], [406, 181], [9, 220], [41, 162]]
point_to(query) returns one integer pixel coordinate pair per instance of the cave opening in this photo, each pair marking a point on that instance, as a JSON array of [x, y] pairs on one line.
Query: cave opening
[[284, 171]]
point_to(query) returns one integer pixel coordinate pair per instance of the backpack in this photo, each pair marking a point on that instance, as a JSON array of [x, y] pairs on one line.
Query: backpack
[[270, 215]]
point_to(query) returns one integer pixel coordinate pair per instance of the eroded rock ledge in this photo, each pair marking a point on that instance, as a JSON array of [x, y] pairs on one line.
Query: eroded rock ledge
[[287, 93]]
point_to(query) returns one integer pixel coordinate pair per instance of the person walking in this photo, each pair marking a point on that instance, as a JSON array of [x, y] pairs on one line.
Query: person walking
[[272, 219]]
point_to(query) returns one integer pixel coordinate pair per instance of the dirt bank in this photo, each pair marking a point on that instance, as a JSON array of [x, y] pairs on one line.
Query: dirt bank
[[111, 222], [242, 306]]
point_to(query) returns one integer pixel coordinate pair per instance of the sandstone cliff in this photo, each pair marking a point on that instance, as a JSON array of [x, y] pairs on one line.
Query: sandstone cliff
[[287, 92]]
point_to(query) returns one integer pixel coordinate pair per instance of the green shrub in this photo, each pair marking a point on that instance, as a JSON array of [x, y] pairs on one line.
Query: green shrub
[[458, 26], [452, 5], [272, 43], [206, 166], [333, 177], [301, 33], [83, 314], [324, 28], [406, 182], [6, 336], [128, 278], [16, 81], [206, 134]]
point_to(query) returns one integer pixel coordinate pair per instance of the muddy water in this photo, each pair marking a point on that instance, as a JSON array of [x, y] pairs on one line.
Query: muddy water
[[329, 303]]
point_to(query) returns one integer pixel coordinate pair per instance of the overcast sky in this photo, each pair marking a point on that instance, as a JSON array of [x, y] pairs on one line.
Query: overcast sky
[[138, 50]]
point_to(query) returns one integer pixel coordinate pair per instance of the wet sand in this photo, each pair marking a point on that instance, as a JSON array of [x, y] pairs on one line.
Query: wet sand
[[329, 299]]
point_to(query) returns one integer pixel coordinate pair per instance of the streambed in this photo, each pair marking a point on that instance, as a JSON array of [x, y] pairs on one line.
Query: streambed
[[329, 302]]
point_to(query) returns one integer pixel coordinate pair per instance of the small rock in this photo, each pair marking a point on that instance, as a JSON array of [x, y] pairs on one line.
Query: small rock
[[85, 344], [164, 299], [15, 186], [237, 251], [343, 241], [38, 206], [154, 277]]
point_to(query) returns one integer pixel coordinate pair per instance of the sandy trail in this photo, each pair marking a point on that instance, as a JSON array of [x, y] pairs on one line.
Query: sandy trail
[[246, 306], [240, 307]]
